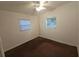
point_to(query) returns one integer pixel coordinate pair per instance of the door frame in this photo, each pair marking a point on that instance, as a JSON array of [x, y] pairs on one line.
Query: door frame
[[1, 48]]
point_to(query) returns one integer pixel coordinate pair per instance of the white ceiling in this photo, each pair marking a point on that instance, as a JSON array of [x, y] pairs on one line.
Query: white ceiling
[[28, 7]]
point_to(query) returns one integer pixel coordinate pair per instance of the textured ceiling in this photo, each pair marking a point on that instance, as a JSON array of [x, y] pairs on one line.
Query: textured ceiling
[[28, 7]]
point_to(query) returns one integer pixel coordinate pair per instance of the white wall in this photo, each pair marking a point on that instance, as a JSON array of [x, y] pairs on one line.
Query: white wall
[[78, 28], [66, 30], [0, 48], [10, 32]]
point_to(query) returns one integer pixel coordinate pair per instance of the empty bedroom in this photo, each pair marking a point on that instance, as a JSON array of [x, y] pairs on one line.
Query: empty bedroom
[[39, 28]]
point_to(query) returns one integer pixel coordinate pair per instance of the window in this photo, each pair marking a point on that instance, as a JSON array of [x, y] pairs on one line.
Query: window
[[25, 24], [51, 22]]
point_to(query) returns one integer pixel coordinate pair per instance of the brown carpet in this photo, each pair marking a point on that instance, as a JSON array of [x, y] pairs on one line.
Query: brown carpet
[[42, 47]]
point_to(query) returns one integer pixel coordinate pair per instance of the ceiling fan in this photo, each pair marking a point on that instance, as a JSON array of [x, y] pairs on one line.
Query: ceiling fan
[[40, 5]]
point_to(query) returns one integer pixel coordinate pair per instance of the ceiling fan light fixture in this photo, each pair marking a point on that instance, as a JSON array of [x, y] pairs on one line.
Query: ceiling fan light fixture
[[40, 8], [42, 3]]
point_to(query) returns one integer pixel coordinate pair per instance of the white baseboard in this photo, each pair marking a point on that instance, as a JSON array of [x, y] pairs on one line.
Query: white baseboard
[[19, 44], [44, 36]]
